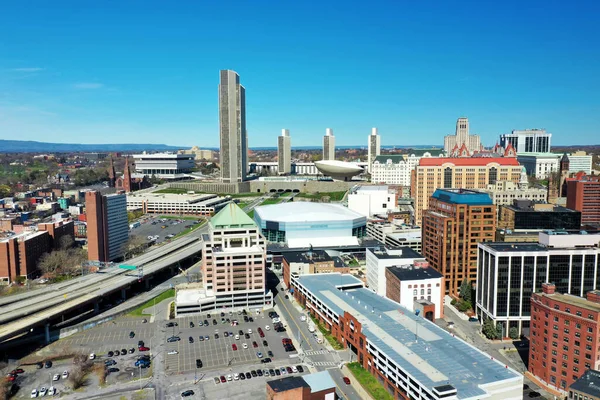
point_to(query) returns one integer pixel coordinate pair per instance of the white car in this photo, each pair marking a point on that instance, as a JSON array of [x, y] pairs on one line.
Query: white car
[[92, 356], [65, 374], [236, 377], [303, 318], [229, 377], [34, 393], [294, 369], [173, 352], [43, 391], [51, 391], [276, 320], [237, 337], [245, 346], [250, 331], [56, 377], [267, 327]]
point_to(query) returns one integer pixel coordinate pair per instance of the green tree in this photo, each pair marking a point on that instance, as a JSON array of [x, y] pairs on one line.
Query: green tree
[[465, 291], [489, 330], [513, 333], [4, 190]]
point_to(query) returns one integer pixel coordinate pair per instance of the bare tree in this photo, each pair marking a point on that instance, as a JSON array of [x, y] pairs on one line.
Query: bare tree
[[134, 245], [62, 262], [66, 242]]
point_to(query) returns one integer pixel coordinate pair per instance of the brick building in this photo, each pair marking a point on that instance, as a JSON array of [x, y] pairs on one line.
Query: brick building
[[19, 254], [309, 262], [468, 173], [583, 194], [410, 356], [107, 226], [57, 231], [457, 220], [564, 336], [317, 386]]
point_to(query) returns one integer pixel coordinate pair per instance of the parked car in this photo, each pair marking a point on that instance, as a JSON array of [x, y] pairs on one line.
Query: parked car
[[144, 348], [34, 393], [198, 363], [234, 346], [223, 380], [346, 380], [173, 339], [131, 350], [48, 364], [113, 369], [110, 354], [65, 374], [187, 393], [131, 335], [92, 357]]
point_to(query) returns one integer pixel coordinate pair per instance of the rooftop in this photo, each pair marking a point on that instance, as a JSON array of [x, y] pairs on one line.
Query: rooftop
[[304, 211], [306, 256], [435, 358], [414, 273], [287, 383], [231, 216], [589, 383], [530, 205], [463, 196], [465, 161], [514, 247], [386, 253], [319, 381], [572, 300]]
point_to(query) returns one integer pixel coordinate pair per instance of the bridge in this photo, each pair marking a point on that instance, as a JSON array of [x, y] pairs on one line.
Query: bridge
[[23, 312]]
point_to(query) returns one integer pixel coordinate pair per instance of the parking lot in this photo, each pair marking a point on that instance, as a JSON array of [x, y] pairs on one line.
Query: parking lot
[[218, 353], [153, 226], [99, 340]]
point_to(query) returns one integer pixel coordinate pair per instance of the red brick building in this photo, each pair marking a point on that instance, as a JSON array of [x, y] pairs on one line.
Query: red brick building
[[583, 194], [19, 254], [564, 336], [317, 386], [57, 231]]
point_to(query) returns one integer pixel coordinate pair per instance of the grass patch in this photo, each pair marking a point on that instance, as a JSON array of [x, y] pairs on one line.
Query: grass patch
[[333, 196], [285, 194], [139, 312], [327, 335], [369, 382], [172, 191], [240, 195], [270, 201], [242, 205], [251, 214]]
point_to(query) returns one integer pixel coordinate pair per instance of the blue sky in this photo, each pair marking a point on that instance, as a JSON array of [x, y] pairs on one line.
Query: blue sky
[[147, 71]]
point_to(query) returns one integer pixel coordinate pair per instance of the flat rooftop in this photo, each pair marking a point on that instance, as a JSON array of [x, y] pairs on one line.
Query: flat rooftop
[[287, 383], [173, 198], [589, 383], [427, 352], [387, 253], [515, 247], [414, 273], [463, 196], [306, 256], [573, 300]]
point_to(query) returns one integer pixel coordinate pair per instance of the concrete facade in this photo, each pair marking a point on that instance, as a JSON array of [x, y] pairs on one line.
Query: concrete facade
[[164, 165], [540, 165], [232, 128], [284, 152], [461, 136], [380, 258], [374, 148], [370, 200], [528, 140], [328, 145]]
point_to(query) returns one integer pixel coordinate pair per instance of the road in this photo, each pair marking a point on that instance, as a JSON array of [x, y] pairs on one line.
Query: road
[[321, 356], [71, 297]]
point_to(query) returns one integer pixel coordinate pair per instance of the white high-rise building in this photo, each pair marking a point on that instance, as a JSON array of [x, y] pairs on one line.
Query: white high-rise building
[[284, 152], [374, 147], [232, 128], [462, 137], [328, 145], [527, 141]]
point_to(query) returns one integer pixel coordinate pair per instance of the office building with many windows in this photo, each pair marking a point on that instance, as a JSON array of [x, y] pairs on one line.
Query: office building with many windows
[[530, 215], [232, 128], [457, 220], [374, 141], [410, 356], [107, 225], [528, 140], [284, 153], [509, 273], [380, 258], [583, 195]]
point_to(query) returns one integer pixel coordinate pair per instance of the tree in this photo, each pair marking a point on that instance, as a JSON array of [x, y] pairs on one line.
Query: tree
[[4, 190], [62, 262], [465, 291], [66, 242], [134, 245], [489, 330], [513, 333]]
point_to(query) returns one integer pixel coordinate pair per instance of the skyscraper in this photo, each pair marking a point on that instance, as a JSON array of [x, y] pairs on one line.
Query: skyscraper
[[374, 147], [107, 226], [284, 152], [328, 145], [232, 128]]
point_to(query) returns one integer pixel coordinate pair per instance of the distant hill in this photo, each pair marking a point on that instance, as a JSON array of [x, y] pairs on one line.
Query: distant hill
[[23, 146]]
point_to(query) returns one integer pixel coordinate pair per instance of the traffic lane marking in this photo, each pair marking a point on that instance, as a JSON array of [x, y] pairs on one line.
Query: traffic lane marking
[[297, 326]]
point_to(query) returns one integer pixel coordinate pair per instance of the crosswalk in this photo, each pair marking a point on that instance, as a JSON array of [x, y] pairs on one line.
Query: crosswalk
[[315, 352], [324, 363]]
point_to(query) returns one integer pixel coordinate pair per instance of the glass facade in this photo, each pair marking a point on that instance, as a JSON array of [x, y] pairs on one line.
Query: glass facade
[[547, 220]]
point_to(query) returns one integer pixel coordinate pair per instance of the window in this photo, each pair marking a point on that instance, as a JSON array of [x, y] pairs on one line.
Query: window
[[415, 292]]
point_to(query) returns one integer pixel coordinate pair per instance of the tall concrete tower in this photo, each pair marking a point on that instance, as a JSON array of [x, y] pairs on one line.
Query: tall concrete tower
[[329, 145], [232, 128], [462, 130], [374, 147], [284, 152]]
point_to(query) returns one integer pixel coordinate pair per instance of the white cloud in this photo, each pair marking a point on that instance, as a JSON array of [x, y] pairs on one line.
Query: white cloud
[[88, 85], [30, 69]]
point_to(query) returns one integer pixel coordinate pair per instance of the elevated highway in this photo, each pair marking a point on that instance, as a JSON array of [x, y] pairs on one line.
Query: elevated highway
[[21, 313]]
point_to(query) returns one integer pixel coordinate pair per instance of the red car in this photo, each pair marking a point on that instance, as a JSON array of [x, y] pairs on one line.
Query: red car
[[11, 377], [234, 346], [17, 371], [346, 380], [223, 380], [254, 344], [143, 348]]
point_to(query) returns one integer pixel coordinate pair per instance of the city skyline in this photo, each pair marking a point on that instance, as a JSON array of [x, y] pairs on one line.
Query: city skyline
[[110, 85]]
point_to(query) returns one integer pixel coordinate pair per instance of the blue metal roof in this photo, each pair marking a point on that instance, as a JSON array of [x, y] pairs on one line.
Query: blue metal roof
[[463, 196], [433, 349], [319, 381]]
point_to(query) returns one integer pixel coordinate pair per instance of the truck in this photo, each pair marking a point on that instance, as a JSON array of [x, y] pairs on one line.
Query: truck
[[311, 328], [136, 224]]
